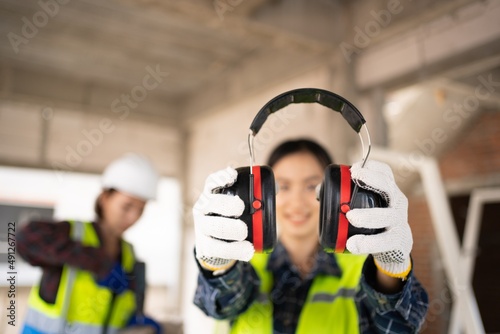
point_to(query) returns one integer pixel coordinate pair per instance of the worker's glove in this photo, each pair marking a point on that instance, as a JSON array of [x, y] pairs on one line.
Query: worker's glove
[[117, 280], [220, 236], [391, 248]]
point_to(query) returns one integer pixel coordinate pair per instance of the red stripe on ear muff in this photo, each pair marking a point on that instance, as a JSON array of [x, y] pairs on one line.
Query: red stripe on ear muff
[[257, 228], [345, 197]]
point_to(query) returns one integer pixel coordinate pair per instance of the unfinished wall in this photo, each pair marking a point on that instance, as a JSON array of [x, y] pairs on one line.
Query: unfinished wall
[[477, 153]]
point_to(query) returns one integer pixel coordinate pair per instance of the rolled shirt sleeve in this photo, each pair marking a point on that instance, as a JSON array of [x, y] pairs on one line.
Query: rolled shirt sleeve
[[402, 312], [48, 244], [228, 295]]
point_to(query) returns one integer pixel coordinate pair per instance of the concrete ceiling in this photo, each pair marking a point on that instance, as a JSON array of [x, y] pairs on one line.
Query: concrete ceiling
[[106, 46], [88, 52]]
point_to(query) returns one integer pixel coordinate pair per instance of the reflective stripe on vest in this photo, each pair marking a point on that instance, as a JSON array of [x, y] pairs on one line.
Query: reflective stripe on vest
[[36, 319], [81, 305], [329, 308]]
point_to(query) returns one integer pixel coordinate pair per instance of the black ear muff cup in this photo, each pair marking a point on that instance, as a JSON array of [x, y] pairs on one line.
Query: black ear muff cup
[[335, 196], [258, 192]]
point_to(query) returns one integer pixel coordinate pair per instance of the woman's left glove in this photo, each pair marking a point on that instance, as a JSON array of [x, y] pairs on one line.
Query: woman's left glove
[[391, 248]]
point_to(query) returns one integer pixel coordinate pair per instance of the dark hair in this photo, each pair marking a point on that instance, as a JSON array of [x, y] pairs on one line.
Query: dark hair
[[98, 204], [300, 145]]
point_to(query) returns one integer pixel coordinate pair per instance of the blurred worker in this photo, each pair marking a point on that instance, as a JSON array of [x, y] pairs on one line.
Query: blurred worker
[[299, 288], [88, 283]]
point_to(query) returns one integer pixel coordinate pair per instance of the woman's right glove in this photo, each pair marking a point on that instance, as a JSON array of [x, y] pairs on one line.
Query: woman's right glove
[[391, 248], [219, 234]]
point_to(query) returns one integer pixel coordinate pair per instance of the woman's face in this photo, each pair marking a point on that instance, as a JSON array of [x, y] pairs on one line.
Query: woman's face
[[297, 209], [120, 211]]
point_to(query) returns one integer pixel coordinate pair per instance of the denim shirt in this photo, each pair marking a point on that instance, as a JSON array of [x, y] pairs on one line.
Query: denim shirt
[[228, 295]]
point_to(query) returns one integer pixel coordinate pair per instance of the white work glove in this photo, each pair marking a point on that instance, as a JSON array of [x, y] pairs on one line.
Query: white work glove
[[220, 240], [391, 248]]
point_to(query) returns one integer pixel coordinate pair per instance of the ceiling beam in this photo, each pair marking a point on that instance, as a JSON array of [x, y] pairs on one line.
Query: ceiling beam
[[230, 89], [49, 90], [247, 8], [237, 25], [416, 18]]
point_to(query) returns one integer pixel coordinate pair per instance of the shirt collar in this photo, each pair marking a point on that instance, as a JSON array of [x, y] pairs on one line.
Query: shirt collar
[[325, 263]]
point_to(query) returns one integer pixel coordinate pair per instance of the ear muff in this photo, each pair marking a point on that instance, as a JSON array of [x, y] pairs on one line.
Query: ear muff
[[335, 198], [258, 192], [256, 187]]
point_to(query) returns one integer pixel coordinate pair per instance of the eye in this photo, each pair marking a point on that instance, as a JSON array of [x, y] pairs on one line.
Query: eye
[[282, 187], [311, 187]]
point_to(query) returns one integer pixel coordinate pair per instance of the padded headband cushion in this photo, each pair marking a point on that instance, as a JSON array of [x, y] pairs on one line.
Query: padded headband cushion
[[310, 95]]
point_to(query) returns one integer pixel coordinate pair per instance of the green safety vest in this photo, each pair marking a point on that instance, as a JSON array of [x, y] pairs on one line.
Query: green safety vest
[[329, 308], [82, 305]]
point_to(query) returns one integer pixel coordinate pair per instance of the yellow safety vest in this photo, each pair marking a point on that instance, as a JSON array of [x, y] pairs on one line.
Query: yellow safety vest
[[329, 308], [81, 305]]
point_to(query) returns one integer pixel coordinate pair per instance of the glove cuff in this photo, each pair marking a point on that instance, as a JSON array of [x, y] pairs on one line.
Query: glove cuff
[[393, 269], [217, 265]]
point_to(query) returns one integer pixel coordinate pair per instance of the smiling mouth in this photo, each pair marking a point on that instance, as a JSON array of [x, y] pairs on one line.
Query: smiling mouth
[[298, 220]]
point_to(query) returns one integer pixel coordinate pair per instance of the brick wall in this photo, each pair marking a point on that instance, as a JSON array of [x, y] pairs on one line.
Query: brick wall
[[476, 152], [427, 266]]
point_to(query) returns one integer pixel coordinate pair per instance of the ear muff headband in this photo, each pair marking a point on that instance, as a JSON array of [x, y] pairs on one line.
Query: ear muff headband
[[310, 95]]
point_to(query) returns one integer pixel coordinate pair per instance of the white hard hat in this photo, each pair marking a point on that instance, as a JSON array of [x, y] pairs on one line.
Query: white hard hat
[[132, 174]]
